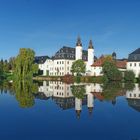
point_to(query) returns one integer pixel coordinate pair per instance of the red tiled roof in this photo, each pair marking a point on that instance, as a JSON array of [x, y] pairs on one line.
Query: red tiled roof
[[98, 95], [121, 64], [99, 62]]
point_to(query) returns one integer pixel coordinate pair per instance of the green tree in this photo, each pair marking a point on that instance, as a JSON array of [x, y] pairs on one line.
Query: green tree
[[111, 72], [78, 67], [129, 85], [12, 63], [78, 91], [24, 91], [111, 90], [129, 76], [1, 65], [5, 66], [25, 67]]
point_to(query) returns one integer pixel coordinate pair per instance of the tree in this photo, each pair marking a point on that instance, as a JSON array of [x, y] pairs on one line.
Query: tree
[[12, 63], [25, 67], [129, 86], [24, 91], [129, 76], [111, 72], [5, 66], [1, 66], [78, 91], [111, 90], [78, 67]]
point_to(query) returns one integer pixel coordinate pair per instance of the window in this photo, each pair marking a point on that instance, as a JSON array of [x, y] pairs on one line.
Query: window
[[135, 64], [57, 62], [130, 64], [68, 62]]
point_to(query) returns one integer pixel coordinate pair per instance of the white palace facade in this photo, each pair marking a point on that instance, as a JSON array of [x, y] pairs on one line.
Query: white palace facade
[[60, 64], [62, 94]]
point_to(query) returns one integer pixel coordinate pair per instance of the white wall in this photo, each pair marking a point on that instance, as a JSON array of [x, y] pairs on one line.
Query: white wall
[[62, 67], [96, 71], [46, 66], [78, 52], [90, 56], [135, 67], [133, 94]]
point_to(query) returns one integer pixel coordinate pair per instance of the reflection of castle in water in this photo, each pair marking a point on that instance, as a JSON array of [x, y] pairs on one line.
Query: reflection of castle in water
[[62, 94], [133, 97]]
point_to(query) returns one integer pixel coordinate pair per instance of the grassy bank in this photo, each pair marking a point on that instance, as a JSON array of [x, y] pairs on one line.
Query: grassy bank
[[70, 79], [47, 78]]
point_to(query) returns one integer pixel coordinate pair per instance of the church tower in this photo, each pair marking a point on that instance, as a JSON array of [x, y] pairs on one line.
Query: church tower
[[78, 52], [78, 107], [90, 53]]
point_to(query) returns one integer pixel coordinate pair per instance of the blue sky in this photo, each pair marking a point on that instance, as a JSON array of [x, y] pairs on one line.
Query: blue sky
[[47, 25]]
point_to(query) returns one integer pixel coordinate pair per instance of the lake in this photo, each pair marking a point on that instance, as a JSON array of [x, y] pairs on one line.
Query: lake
[[55, 110]]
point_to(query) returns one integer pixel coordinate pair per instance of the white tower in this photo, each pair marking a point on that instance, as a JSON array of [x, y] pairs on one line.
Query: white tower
[[78, 52], [78, 107], [90, 98], [90, 53]]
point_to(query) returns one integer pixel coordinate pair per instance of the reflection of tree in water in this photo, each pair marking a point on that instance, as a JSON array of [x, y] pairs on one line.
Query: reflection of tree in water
[[24, 93], [129, 86], [6, 87], [78, 91], [112, 90]]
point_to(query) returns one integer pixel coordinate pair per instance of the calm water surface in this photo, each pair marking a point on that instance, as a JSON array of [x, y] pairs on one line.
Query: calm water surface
[[54, 110]]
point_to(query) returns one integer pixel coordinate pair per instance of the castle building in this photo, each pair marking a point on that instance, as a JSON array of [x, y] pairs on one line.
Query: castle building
[[134, 62], [97, 66], [62, 95], [60, 64], [133, 97]]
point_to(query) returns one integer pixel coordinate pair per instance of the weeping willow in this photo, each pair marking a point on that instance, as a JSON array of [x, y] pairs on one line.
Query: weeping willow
[[24, 93], [25, 67]]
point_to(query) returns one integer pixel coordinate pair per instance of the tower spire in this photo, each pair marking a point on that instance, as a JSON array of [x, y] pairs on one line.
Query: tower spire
[[79, 43], [90, 45]]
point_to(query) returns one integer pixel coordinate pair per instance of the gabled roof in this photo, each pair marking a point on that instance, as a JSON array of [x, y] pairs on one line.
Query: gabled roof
[[134, 56], [41, 59], [119, 63], [99, 62], [137, 51]]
